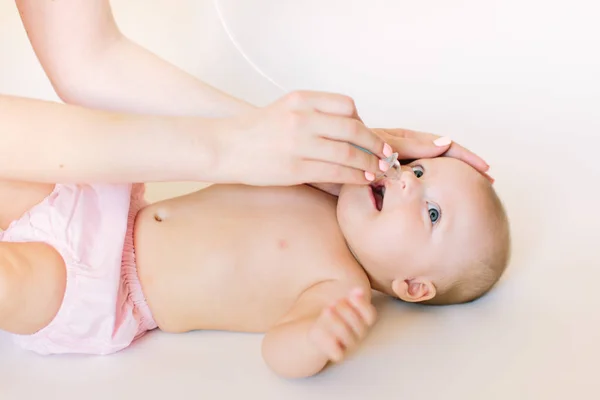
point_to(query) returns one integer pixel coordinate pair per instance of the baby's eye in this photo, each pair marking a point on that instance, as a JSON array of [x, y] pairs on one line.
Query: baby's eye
[[434, 212], [418, 170]]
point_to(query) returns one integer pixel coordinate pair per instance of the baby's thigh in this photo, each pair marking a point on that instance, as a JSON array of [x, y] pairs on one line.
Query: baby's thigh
[[32, 286], [16, 198]]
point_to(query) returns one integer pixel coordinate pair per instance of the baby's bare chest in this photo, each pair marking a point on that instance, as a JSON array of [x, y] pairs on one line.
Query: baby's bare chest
[[256, 229]]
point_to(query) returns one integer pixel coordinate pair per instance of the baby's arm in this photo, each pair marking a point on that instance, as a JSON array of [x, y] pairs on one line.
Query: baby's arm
[[32, 286], [318, 330]]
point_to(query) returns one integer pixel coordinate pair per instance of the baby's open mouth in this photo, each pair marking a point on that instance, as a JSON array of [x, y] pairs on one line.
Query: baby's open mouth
[[378, 190]]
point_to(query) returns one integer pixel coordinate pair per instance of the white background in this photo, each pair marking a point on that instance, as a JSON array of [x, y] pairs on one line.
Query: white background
[[516, 81]]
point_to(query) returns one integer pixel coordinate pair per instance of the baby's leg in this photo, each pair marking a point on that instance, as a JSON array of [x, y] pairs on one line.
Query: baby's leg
[[16, 198], [32, 286]]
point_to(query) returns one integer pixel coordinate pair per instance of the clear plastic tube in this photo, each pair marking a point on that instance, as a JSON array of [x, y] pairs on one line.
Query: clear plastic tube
[[394, 172]]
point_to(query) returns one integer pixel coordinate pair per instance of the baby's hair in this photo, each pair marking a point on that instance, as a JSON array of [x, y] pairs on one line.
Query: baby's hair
[[479, 276]]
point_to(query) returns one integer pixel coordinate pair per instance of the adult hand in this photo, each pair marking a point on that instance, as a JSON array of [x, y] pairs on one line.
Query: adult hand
[[412, 145], [303, 137]]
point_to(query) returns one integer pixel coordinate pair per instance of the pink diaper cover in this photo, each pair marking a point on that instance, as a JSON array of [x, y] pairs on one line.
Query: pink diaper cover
[[91, 226]]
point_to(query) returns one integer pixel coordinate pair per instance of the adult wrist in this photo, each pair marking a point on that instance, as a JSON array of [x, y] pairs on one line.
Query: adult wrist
[[201, 147], [223, 160]]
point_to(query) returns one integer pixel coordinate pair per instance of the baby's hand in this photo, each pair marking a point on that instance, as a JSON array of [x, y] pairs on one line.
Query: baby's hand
[[341, 326]]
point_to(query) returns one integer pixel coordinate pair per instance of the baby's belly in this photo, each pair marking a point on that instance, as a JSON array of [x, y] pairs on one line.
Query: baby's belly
[[208, 265]]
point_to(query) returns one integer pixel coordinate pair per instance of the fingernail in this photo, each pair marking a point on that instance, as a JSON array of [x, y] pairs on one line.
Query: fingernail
[[443, 141], [488, 176], [387, 150], [384, 166], [370, 177]]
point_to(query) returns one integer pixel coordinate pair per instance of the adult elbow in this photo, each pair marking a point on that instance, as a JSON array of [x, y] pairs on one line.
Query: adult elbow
[[78, 78], [68, 88], [72, 80]]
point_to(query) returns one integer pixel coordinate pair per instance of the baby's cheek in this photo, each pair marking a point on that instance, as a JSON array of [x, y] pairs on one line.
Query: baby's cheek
[[382, 240]]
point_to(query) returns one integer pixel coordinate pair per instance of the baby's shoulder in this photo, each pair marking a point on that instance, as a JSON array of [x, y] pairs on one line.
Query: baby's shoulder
[[338, 268], [340, 283]]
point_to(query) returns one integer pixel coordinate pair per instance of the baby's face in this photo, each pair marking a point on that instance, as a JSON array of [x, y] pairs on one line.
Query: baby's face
[[425, 224]]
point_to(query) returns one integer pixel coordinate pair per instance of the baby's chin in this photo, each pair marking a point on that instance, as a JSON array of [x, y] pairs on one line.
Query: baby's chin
[[352, 194], [344, 197], [350, 207]]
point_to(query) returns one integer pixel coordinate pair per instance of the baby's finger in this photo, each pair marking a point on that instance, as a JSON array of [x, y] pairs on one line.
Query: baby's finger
[[351, 317], [336, 325], [363, 306], [327, 343]]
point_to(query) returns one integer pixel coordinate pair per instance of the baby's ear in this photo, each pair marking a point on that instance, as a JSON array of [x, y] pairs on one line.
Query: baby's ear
[[414, 290]]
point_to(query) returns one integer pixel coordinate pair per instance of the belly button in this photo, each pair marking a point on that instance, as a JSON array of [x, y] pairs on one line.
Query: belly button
[[159, 216]]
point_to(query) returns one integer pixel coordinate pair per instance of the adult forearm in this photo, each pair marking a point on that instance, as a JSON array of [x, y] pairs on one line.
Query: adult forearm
[[124, 76], [91, 63], [50, 142]]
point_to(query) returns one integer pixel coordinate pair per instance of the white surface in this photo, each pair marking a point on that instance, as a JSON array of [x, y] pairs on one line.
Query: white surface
[[515, 81]]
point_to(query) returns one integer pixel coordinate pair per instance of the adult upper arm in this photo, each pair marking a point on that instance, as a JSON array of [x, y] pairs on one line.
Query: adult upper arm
[[32, 286], [66, 35]]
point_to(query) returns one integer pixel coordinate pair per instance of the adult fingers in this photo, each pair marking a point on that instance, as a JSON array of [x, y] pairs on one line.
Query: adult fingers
[[348, 130], [454, 150], [412, 149], [488, 177], [461, 153], [323, 172], [404, 133], [328, 103], [345, 154]]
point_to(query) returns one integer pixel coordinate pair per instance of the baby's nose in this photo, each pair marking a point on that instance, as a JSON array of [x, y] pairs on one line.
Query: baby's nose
[[408, 179]]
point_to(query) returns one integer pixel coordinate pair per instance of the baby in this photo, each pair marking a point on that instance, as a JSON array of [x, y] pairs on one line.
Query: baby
[[91, 268]]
